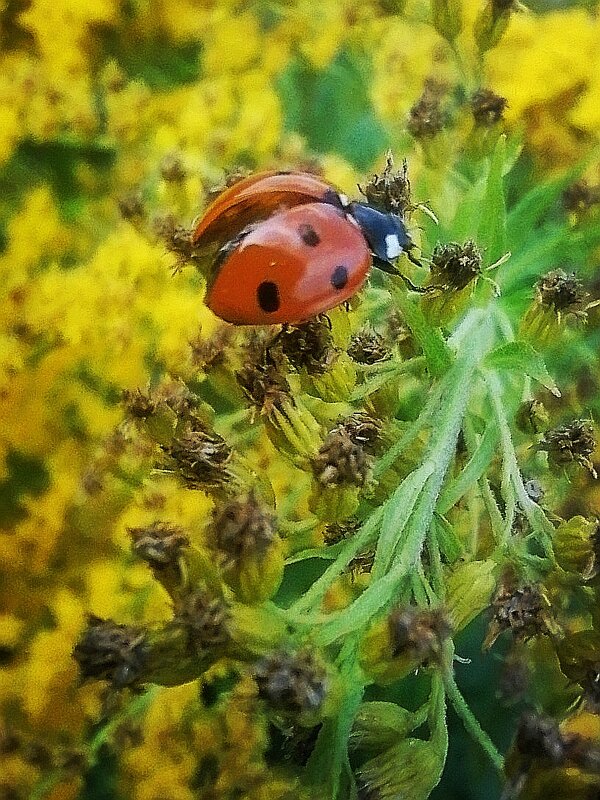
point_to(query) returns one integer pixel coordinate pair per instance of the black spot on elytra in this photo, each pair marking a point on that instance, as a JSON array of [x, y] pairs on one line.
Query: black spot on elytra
[[267, 295], [308, 234], [339, 277]]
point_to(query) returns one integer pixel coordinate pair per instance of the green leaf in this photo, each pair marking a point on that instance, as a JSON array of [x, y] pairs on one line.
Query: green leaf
[[448, 542], [330, 755], [435, 349], [396, 513], [523, 357], [474, 469], [376, 382], [491, 233], [532, 209], [332, 109]]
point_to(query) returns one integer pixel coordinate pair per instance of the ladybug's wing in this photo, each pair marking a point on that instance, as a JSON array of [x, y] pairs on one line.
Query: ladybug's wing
[[254, 199], [296, 264]]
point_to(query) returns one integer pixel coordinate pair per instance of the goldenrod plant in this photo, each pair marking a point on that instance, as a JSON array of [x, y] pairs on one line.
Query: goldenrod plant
[[353, 559]]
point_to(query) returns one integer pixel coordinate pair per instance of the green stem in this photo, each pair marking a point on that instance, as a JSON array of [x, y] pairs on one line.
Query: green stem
[[472, 726], [440, 453], [539, 522], [313, 597]]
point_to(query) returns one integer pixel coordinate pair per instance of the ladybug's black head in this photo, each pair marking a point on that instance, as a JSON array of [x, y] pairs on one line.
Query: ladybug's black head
[[386, 234]]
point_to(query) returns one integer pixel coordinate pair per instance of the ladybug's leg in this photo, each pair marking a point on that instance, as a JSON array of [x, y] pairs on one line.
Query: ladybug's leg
[[326, 319], [412, 258], [386, 266]]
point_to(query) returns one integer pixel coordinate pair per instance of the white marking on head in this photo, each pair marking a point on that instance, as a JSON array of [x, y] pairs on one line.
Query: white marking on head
[[392, 245], [344, 200]]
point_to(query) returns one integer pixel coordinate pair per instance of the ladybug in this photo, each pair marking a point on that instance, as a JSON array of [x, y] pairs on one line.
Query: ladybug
[[299, 248]]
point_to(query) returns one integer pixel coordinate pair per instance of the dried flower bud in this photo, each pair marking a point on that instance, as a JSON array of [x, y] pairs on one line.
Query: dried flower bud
[[390, 191], [309, 346], [139, 405], [175, 237], [455, 266], [548, 760], [263, 378], [159, 544], [539, 737], [244, 532], [571, 443], [243, 528], [204, 619], [199, 457], [368, 347], [131, 207], [294, 683], [408, 638], [172, 169], [340, 461], [532, 417], [525, 611], [562, 292], [418, 633], [113, 652], [487, 107], [206, 353], [361, 564], [580, 196], [362, 429], [338, 531], [427, 116]]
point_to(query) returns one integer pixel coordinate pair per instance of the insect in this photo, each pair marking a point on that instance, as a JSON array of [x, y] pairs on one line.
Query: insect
[[298, 248]]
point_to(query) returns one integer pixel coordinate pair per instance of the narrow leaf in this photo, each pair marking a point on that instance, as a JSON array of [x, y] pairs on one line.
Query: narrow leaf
[[473, 470], [491, 234], [523, 357]]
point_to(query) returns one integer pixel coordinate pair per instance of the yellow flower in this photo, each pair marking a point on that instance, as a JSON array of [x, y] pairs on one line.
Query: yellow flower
[[543, 67]]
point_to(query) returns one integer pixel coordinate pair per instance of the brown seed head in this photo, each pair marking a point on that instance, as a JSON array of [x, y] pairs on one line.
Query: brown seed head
[[205, 620], [455, 265], [243, 528], [340, 461], [563, 292], [390, 190], [199, 457], [293, 682], [263, 377], [368, 347], [488, 107], [113, 652], [427, 117], [309, 346], [523, 610], [159, 544], [571, 443], [418, 632], [362, 429]]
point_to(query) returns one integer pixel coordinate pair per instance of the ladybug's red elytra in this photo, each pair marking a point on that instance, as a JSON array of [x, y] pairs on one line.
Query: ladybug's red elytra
[[292, 247]]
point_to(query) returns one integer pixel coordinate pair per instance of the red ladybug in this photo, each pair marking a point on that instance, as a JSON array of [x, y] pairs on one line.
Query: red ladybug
[[299, 248]]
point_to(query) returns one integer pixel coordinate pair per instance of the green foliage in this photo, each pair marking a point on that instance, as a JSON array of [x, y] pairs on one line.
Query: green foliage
[[331, 109]]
